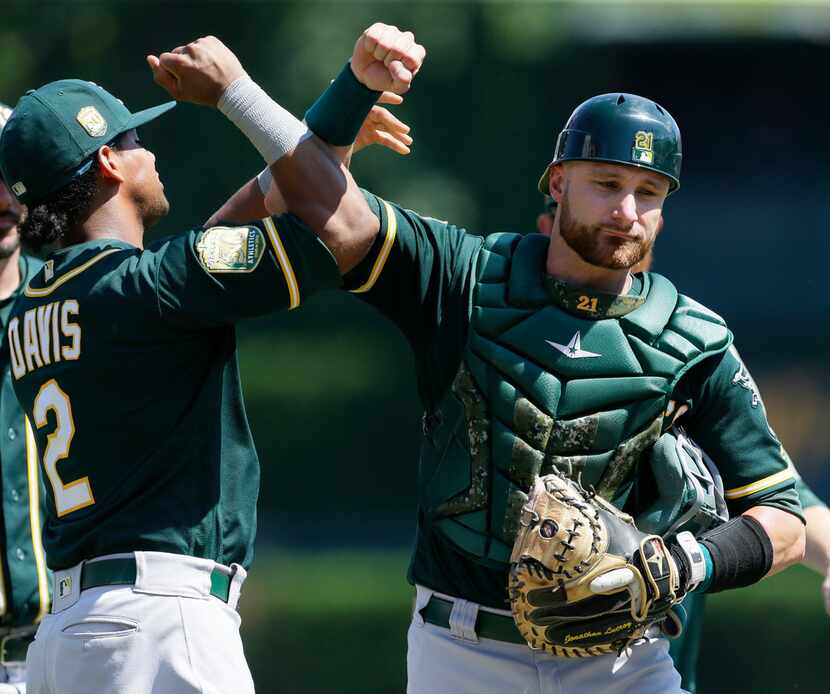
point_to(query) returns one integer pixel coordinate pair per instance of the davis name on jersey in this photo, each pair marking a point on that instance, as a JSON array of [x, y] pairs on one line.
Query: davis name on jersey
[[49, 335]]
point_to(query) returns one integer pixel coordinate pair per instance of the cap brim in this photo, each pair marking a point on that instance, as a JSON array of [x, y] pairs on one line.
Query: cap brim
[[148, 114]]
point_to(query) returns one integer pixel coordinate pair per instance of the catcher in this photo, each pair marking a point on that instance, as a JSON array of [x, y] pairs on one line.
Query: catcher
[[693, 471], [551, 374]]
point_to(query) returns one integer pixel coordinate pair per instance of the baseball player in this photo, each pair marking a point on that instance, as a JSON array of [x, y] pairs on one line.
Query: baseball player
[[24, 582], [685, 649], [124, 359], [549, 357]]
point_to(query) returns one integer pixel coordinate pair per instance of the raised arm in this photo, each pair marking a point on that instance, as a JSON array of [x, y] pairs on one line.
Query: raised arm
[[259, 196], [316, 187], [384, 59]]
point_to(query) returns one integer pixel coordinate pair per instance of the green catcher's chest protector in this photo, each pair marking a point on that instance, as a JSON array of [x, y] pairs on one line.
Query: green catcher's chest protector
[[548, 385]]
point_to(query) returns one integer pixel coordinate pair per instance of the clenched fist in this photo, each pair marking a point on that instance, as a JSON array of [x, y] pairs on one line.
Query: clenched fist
[[198, 72], [387, 59]]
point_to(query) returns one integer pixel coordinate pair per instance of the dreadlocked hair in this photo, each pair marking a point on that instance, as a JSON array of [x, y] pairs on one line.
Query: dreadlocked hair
[[50, 221]]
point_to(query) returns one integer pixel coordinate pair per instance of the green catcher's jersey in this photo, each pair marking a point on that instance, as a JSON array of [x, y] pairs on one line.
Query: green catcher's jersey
[[125, 363], [24, 580], [515, 382]]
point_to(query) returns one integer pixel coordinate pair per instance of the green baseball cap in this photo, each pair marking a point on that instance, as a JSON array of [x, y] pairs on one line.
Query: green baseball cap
[[53, 132]]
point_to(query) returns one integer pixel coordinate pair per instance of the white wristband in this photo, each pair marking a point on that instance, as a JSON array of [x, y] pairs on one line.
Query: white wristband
[[269, 127], [691, 548]]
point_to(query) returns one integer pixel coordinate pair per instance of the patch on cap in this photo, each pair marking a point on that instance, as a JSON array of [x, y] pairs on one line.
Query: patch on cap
[[18, 188], [92, 121], [643, 150], [231, 249]]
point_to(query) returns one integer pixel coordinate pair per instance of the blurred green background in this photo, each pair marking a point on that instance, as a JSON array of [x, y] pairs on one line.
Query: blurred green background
[[330, 390]]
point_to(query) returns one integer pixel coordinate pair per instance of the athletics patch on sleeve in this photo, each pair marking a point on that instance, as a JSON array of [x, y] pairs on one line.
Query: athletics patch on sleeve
[[231, 249]]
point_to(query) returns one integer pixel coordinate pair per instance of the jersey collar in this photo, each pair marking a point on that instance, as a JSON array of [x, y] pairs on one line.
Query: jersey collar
[[589, 303]]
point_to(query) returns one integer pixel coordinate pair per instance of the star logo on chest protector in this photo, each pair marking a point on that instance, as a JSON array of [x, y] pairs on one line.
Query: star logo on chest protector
[[573, 350]]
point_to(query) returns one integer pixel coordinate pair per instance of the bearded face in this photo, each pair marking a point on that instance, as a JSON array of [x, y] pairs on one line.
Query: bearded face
[[609, 215], [614, 248]]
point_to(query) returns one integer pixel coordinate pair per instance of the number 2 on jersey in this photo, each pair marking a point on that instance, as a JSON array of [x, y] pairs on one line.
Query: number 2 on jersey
[[77, 494]]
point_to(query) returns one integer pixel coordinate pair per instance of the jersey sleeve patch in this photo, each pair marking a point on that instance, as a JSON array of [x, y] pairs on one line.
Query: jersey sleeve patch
[[230, 249]]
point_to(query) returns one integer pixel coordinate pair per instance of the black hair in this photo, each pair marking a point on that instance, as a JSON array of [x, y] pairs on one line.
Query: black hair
[[50, 221]]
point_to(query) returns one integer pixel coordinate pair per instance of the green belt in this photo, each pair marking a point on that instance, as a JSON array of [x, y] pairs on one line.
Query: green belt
[[113, 572], [488, 624], [13, 648]]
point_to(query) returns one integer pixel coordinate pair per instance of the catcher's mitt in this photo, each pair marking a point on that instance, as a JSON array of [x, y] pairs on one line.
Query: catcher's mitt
[[583, 580]]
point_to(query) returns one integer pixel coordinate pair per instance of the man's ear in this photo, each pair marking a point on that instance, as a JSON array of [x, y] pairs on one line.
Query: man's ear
[[556, 182], [109, 164]]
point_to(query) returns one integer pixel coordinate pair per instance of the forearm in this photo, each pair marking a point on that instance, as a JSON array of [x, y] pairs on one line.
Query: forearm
[[245, 205], [817, 554], [313, 183], [786, 534], [319, 189], [259, 197], [269, 192], [262, 196], [758, 543], [315, 186]]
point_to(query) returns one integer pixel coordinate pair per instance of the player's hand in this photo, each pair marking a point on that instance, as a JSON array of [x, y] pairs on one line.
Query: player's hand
[[387, 59], [198, 72], [382, 128]]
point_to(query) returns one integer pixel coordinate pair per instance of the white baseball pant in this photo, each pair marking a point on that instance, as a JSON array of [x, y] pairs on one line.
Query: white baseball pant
[[166, 634], [439, 662]]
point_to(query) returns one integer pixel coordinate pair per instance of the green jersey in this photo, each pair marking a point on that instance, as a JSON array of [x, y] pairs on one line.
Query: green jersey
[[519, 378], [125, 363], [24, 581]]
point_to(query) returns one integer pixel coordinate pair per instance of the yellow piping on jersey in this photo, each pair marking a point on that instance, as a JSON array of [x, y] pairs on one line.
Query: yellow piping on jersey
[[759, 485], [380, 261], [69, 275], [284, 261], [33, 469]]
